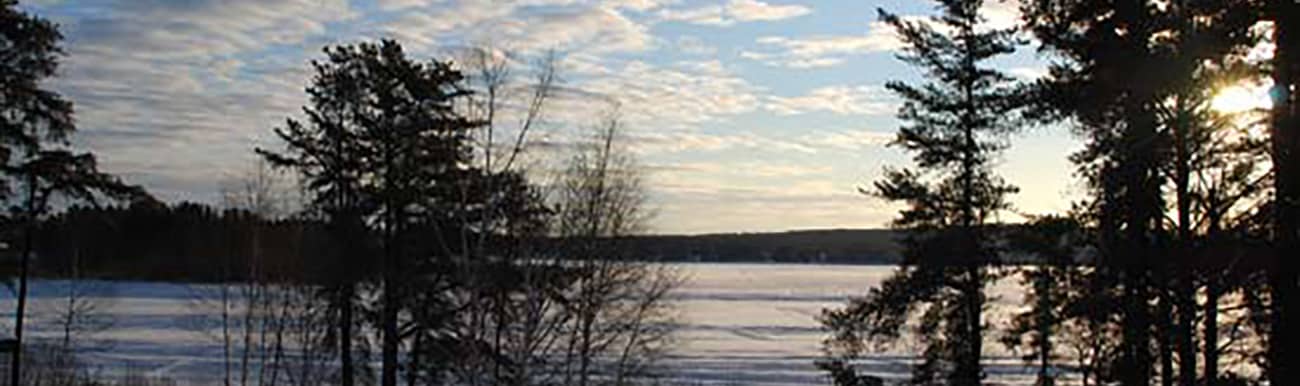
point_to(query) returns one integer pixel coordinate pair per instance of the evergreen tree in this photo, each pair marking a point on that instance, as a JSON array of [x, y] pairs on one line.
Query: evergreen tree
[[37, 163], [326, 155], [386, 146], [387, 155], [1055, 244], [955, 125], [1207, 47], [1123, 67]]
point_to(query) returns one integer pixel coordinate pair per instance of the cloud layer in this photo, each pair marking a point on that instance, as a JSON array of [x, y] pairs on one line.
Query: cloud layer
[[719, 97]]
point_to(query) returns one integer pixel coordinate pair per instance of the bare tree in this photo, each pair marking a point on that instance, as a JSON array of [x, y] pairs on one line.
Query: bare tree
[[507, 323], [620, 317], [263, 309], [79, 315], [79, 312]]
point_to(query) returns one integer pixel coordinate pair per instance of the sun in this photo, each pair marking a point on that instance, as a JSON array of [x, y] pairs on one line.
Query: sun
[[1241, 98]]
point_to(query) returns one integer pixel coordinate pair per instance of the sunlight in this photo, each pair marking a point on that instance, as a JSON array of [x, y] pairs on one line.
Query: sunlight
[[1240, 98]]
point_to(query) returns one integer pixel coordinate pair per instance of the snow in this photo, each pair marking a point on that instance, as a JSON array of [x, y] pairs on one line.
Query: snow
[[751, 324]]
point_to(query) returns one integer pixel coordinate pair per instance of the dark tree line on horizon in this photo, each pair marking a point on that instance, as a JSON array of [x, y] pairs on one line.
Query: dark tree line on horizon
[[191, 242], [1178, 266]]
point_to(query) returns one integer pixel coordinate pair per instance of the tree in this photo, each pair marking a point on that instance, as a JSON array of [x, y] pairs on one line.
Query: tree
[[1055, 245], [1110, 83], [35, 126], [501, 248], [80, 314], [1219, 181], [1210, 165], [1283, 361], [260, 297], [326, 156], [1124, 75], [955, 124], [617, 308], [388, 152]]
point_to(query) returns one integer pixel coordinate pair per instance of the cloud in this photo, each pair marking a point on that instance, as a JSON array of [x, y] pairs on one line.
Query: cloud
[[825, 50], [735, 11], [743, 169], [662, 143], [392, 5], [852, 140], [185, 30], [694, 46], [1001, 14], [634, 5], [585, 29], [423, 27], [831, 50], [168, 93], [843, 100], [753, 10], [568, 27], [677, 95], [705, 203], [637, 5], [171, 94]]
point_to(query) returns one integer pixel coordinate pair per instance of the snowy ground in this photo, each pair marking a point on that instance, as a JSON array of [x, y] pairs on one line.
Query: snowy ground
[[743, 324], [754, 324]]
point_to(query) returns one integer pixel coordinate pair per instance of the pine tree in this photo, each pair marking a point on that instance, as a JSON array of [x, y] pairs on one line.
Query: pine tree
[[955, 125], [1123, 67], [1055, 244], [36, 159], [386, 148]]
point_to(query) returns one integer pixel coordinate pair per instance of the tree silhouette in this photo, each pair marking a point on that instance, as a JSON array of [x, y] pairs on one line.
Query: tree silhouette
[[955, 125], [1110, 84], [388, 152], [1284, 362], [1052, 288], [35, 126], [1127, 78]]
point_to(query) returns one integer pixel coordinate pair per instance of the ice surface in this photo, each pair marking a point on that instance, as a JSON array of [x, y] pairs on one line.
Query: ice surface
[[742, 324]]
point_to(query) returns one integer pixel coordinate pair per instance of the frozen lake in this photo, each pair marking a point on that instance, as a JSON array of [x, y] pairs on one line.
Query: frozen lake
[[743, 324]]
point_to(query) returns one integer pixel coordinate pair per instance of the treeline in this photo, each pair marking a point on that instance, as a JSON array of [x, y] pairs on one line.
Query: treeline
[[185, 242], [1178, 267], [196, 242], [840, 246]]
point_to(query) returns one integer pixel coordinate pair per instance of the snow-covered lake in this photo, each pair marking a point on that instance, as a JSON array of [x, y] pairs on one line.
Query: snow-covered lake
[[743, 324]]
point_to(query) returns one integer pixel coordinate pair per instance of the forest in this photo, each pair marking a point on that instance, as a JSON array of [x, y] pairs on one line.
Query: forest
[[397, 231], [1189, 214], [189, 241]]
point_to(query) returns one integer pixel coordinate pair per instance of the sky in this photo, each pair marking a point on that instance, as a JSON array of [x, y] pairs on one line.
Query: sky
[[747, 115]]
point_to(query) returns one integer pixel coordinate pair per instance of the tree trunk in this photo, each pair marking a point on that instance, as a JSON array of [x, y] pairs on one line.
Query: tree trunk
[[389, 374], [1136, 355], [1046, 322], [413, 369], [968, 368], [391, 268], [1286, 148], [1211, 332], [1165, 335], [1186, 328], [345, 334], [1184, 291], [16, 361]]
